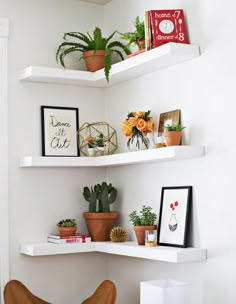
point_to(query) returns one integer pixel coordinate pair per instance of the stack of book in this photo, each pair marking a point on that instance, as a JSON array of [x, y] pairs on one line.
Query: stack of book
[[162, 26], [79, 238]]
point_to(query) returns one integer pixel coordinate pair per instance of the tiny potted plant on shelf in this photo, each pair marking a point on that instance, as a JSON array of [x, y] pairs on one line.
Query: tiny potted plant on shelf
[[173, 134], [137, 36], [91, 146], [67, 227], [100, 219], [145, 220], [100, 144], [96, 50]]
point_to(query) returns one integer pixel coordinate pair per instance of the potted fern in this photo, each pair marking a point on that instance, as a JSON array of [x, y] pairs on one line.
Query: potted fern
[[96, 50], [137, 36], [145, 220], [173, 134], [100, 219]]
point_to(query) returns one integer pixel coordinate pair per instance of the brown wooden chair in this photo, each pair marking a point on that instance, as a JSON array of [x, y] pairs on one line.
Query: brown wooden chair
[[16, 293], [104, 294]]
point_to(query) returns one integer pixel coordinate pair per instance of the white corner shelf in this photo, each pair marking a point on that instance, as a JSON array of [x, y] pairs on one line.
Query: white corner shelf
[[122, 159], [159, 58], [130, 249]]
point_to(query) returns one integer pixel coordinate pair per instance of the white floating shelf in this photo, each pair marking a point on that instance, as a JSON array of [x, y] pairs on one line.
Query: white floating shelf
[[131, 249], [52, 249], [122, 159], [161, 57]]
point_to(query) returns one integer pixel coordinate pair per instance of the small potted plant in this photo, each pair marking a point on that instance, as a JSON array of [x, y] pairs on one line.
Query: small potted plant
[[96, 50], [145, 220], [67, 227], [137, 36], [91, 146], [173, 134], [100, 219], [100, 144]]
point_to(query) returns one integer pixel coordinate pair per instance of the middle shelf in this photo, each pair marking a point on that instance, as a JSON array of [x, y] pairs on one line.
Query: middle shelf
[[121, 159], [131, 249]]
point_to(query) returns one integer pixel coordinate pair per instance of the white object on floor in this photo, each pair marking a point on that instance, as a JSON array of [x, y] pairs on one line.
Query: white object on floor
[[165, 292]]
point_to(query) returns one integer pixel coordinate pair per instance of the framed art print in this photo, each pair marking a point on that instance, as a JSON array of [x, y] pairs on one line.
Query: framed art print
[[59, 131], [174, 216]]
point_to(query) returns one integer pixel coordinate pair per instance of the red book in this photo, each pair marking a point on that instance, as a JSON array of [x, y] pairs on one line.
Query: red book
[[167, 26]]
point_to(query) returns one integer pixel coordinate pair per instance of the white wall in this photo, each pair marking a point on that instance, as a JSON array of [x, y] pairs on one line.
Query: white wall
[[39, 198], [204, 90]]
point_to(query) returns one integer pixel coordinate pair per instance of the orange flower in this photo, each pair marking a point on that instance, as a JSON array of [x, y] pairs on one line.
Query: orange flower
[[140, 114], [132, 121], [141, 125], [126, 128], [90, 139], [150, 126]]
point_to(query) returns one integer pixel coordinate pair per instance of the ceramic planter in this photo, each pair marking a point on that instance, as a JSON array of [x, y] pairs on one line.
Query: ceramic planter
[[99, 224], [140, 233], [94, 62], [67, 231], [173, 138]]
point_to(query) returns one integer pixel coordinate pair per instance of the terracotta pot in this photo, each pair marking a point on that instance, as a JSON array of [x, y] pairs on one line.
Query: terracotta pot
[[94, 62], [67, 231], [99, 224], [173, 138], [140, 43], [140, 233]]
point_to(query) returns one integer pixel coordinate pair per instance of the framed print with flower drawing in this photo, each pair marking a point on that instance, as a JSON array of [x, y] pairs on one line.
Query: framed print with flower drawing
[[59, 131], [174, 216]]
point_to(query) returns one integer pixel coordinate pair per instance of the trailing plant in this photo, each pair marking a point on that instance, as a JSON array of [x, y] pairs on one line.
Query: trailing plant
[[137, 35], [86, 42], [174, 127], [100, 197], [67, 223], [146, 217]]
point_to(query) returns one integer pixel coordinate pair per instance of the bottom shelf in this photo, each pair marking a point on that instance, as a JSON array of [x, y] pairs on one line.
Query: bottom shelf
[[131, 249]]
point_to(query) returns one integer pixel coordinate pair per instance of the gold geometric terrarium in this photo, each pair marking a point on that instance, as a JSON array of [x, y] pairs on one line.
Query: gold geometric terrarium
[[97, 138]]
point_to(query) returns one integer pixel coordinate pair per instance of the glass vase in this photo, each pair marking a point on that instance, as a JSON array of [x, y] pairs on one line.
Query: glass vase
[[138, 141]]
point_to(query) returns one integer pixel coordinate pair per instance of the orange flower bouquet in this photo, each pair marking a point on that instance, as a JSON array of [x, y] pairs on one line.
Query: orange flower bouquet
[[136, 126]]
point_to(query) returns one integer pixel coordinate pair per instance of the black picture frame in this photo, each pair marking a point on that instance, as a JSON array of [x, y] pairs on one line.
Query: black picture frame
[[59, 127], [174, 216]]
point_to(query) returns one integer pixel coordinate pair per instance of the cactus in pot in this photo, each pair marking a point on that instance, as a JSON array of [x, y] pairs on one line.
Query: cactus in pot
[[100, 197], [100, 219]]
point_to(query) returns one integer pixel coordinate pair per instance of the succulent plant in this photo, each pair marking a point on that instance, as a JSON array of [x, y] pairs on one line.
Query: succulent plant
[[100, 197], [67, 223], [174, 127], [119, 234]]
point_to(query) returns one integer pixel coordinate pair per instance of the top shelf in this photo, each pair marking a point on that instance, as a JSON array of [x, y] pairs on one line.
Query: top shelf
[[161, 57]]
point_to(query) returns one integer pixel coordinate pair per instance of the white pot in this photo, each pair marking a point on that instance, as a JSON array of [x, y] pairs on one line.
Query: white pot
[[91, 151]]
